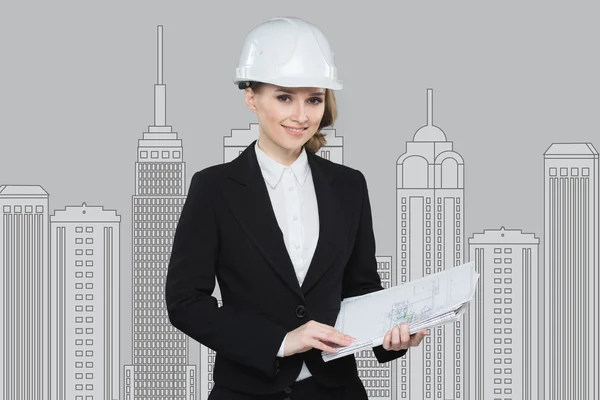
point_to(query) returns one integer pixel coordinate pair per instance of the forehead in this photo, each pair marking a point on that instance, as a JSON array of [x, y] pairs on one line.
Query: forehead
[[309, 91]]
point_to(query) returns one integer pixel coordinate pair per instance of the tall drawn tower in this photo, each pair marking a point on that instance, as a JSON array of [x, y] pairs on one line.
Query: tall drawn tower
[[25, 343], [571, 275], [430, 239], [160, 367]]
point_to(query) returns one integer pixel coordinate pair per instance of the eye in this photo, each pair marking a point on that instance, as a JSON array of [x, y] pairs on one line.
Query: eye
[[283, 97], [316, 100]]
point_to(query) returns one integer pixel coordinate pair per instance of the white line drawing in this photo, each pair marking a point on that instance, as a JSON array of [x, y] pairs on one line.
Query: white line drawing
[[503, 319], [160, 352], [430, 237], [85, 265], [24, 284], [571, 272]]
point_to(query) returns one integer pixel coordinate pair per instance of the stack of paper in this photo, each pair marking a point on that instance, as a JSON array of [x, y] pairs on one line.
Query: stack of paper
[[424, 303]]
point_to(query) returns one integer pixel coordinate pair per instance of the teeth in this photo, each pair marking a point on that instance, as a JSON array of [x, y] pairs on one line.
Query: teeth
[[294, 129]]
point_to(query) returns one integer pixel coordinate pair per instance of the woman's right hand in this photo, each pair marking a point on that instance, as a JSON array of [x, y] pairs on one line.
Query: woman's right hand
[[314, 335]]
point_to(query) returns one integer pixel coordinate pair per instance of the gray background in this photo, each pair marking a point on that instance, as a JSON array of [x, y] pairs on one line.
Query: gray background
[[509, 79]]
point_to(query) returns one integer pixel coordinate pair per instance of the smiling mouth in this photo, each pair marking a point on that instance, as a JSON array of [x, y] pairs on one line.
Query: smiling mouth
[[297, 130]]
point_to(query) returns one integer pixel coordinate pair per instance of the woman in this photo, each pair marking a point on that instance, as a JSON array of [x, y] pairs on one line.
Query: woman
[[287, 234]]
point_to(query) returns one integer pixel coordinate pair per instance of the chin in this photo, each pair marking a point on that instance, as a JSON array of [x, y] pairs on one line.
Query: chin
[[292, 143], [288, 141]]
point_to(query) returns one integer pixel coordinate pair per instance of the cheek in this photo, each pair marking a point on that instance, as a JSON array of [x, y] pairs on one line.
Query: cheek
[[275, 114], [315, 115]]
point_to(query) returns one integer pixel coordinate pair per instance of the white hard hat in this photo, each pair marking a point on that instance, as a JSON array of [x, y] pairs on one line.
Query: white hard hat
[[287, 52]]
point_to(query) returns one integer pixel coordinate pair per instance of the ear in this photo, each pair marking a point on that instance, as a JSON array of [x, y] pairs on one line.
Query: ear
[[250, 98]]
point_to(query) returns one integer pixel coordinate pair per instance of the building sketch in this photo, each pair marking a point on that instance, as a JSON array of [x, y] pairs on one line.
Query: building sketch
[[377, 377], [85, 265], [24, 283], [504, 317], [430, 237], [160, 367], [571, 272]]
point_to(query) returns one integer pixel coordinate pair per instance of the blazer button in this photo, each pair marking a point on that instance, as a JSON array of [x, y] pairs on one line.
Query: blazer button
[[300, 311]]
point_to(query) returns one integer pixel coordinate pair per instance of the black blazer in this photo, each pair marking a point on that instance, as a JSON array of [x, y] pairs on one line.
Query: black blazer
[[227, 229]]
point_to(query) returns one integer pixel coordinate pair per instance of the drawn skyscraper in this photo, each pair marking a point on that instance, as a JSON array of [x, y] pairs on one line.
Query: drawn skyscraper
[[571, 272], [160, 367], [24, 284], [503, 319], [84, 255], [376, 377], [430, 237]]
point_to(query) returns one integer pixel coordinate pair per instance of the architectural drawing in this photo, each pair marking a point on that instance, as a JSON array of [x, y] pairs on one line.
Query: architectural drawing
[[378, 378], [430, 237], [25, 358], [571, 272], [85, 265], [503, 322], [160, 367]]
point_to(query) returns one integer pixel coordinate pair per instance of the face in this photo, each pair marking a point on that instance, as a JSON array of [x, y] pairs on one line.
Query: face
[[288, 117]]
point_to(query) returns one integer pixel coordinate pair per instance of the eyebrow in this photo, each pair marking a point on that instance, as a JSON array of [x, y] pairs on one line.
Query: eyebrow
[[288, 91]]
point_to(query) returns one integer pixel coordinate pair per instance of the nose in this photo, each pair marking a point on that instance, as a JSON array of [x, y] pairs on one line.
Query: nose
[[300, 114]]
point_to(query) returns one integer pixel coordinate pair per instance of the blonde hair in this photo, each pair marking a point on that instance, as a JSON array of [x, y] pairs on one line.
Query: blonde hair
[[318, 140]]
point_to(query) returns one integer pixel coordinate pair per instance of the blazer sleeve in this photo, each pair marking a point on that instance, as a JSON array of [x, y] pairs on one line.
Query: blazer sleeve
[[361, 276], [243, 337]]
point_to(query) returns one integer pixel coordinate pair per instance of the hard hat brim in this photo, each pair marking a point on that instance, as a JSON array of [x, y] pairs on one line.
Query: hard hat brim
[[295, 82]]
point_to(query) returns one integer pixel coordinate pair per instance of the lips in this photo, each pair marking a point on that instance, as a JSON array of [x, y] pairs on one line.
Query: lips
[[294, 129]]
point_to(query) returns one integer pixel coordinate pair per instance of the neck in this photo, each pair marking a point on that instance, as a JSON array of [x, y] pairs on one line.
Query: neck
[[277, 153]]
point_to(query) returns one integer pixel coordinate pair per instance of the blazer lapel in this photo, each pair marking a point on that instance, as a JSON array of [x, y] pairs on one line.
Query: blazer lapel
[[247, 197], [333, 223]]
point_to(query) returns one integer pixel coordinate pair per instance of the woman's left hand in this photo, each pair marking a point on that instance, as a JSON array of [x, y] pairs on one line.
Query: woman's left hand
[[399, 338]]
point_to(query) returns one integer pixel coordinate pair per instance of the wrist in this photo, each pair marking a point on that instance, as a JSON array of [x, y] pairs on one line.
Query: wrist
[[281, 352]]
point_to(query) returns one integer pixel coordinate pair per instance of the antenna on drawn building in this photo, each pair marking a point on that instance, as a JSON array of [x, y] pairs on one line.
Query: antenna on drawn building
[[160, 98], [429, 107]]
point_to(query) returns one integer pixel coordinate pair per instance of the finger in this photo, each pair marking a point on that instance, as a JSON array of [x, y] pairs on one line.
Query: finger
[[327, 329], [417, 338], [316, 344], [314, 328], [404, 336], [387, 339], [333, 336], [395, 337]]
